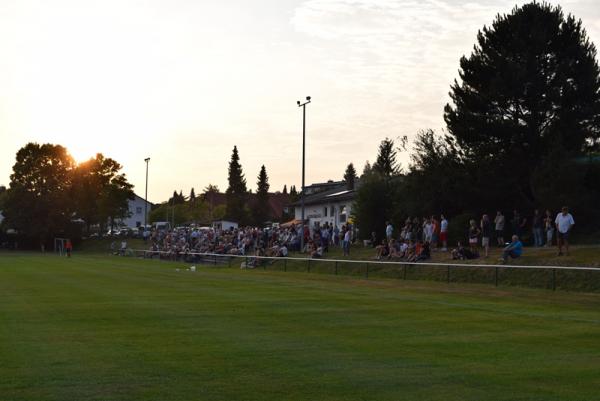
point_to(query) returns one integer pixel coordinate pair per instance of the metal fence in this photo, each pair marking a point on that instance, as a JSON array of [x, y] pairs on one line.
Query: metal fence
[[548, 275]]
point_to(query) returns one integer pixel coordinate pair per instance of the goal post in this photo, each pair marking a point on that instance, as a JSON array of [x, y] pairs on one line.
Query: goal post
[[60, 245]]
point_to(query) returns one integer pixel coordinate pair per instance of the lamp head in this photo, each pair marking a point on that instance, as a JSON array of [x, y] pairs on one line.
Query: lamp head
[[147, 159], [298, 102], [308, 98]]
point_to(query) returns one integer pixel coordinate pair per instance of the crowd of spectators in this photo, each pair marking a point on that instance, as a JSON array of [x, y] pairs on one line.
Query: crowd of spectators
[[418, 237], [189, 243]]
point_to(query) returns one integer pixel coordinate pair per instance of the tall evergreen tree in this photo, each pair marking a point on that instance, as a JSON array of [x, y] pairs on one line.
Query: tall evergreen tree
[[350, 176], [386, 164], [284, 189], [192, 195], [529, 90], [237, 191], [262, 209]]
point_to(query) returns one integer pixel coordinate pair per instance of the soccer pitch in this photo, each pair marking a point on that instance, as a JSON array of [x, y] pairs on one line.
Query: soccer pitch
[[111, 328]]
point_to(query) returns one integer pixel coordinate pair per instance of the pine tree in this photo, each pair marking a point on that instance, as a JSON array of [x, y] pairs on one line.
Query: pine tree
[[350, 176], [285, 189], [386, 164], [530, 89], [366, 169], [237, 191], [192, 195], [261, 211]]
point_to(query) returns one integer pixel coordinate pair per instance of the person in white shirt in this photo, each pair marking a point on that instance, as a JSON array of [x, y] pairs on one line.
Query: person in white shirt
[[444, 233], [389, 230], [564, 221]]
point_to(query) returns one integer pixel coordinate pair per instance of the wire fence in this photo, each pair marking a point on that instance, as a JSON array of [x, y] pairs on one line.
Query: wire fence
[[582, 278]]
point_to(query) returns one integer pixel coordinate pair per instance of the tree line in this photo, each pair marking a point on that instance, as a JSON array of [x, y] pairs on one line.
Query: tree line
[[522, 131], [241, 205]]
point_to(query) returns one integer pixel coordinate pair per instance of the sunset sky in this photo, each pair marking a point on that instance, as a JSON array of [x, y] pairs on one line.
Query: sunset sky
[[183, 81]]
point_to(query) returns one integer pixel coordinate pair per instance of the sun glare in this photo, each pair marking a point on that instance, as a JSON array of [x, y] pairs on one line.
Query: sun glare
[[81, 152]]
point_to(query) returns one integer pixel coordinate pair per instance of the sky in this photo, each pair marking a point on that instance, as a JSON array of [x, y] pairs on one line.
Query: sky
[[183, 81]]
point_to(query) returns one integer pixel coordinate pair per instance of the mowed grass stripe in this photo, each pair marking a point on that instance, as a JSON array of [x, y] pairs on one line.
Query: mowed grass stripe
[[116, 328]]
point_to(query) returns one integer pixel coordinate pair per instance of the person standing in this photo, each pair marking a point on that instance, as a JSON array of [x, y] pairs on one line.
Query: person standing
[[389, 230], [518, 224], [537, 228], [473, 235], [499, 222], [486, 233], [549, 227], [69, 248], [346, 245], [444, 233], [564, 222]]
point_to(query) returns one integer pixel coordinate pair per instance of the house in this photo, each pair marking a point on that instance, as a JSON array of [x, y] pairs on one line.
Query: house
[[136, 213], [329, 202]]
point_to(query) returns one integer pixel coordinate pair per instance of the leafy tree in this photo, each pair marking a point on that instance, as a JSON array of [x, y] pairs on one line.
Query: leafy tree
[[530, 87], [37, 203], [386, 164], [350, 176], [237, 191], [375, 199], [262, 209], [209, 197], [100, 193]]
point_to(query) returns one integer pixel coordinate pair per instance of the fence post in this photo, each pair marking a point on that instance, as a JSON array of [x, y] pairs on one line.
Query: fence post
[[553, 279], [308, 270], [336, 267], [367, 272], [265, 264], [246, 266], [448, 274], [229, 262], [215, 260], [496, 278], [404, 273], [284, 265]]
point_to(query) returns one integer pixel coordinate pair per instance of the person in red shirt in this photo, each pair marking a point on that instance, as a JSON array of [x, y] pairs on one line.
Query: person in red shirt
[[68, 248]]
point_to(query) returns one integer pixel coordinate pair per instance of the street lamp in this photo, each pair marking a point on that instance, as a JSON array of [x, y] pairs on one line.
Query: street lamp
[[303, 105], [147, 159]]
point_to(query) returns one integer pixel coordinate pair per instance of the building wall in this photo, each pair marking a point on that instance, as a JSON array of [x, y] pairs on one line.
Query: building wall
[[136, 211], [316, 213]]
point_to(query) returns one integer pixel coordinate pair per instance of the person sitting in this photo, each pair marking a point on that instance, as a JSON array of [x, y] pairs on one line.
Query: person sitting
[[513, 250], [416, 253], [425, 252], [316, 252], [462, 253], [382, 250]]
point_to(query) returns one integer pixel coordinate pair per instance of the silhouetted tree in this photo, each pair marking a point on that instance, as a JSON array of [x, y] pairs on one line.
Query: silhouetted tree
[[350, 176], [262, 209], [237, 191]]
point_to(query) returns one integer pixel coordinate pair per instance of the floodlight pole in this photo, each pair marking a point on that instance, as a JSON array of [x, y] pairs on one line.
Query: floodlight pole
[[147, 159], [303, 105]]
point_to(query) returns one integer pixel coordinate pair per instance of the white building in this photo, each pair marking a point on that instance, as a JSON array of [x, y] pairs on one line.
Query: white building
[[136, 213], [329, 202]]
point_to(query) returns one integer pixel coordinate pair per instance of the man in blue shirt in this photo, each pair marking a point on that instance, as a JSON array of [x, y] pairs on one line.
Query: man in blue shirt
[[514, 249]]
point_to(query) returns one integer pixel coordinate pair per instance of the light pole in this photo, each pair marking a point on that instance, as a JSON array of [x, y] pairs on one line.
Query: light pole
[[303, 105], [147, 159]]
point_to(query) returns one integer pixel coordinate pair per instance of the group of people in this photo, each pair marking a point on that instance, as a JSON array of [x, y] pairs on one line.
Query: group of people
[[186, 243], [428, 233]]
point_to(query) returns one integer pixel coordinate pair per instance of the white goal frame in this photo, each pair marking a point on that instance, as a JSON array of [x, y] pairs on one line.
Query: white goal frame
[[60, 245]]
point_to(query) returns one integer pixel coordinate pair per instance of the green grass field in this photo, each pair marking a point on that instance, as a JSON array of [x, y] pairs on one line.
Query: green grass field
[[112, 328]]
